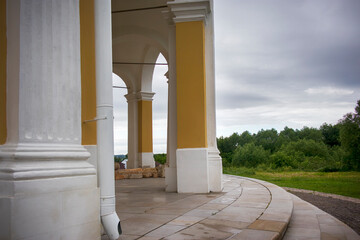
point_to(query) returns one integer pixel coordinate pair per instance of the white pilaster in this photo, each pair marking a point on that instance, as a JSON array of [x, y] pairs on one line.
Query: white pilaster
[[145, 159], [132, 130], [215, 161], [206, 158], [48, 190], [170, 167]]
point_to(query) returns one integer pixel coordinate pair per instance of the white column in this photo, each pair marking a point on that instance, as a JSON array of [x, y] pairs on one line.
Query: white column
[[132, 131], [170, 168], [104, 109], [146, 156], [48, 190], [214, 159], [200, 169]]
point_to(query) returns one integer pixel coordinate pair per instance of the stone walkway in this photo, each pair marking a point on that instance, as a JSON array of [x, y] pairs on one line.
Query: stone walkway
[[246, 209]]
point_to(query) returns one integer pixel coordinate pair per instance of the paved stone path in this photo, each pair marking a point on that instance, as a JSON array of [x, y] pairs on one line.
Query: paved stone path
[[246, 209]]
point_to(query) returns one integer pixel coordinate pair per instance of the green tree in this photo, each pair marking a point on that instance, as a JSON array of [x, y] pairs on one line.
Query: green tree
[[227, 147], [267, 139], [160, 158], [310, 133], [331, 134], [250, 155], [350, 138]]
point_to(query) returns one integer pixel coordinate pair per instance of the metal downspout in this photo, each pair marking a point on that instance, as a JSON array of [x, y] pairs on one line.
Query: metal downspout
[[104, 108]]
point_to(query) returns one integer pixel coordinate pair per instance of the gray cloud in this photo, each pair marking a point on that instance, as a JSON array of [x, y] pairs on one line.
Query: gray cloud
[[270, 53]]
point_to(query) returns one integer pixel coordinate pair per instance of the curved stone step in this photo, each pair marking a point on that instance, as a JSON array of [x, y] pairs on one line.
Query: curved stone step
[[246, 209], [309, 222]]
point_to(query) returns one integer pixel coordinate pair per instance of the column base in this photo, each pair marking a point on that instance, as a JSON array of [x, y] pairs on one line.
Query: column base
[[48, 192], [170, 179], [215, 170], [192, 170], [146, 160]]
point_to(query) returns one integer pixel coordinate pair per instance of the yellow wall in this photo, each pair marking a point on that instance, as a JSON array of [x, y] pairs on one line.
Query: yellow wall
[[3, 130], [88, 77], [145, 126], [191, 85]]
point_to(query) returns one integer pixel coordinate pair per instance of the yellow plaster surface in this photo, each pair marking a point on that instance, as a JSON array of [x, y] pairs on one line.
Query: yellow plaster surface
[[145, 126], [3, 45], [191, 85], [88, 76]]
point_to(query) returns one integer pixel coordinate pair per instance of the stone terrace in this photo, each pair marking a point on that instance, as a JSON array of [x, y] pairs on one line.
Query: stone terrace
[[246, 209]]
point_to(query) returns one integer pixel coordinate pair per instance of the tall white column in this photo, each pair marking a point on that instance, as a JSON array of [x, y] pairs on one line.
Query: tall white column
[[170, 168], [48, 190], [132, 131], [214, 159]]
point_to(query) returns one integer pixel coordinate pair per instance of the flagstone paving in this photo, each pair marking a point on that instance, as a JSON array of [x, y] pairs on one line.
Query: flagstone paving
[[246, 209]]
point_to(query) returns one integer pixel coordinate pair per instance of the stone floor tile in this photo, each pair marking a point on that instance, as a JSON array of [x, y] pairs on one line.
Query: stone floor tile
[[122, 237], [327, 219], [186, 220], [212, 206], [331, 231], [303, 233], [165, 230], [201, 213], [146, 238], [233, 227], [223, 200], [242, 214], [138, 226], [304, 222], [250, 234], [268, 225], [199, 232], [327, 236], [350, 233], [168, 210], [248, 203]]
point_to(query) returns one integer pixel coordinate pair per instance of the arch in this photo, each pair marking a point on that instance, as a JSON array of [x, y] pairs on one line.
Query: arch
[[141, 34]]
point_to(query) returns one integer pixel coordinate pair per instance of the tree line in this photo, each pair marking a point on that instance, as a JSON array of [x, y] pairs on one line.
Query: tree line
[[329, 148]]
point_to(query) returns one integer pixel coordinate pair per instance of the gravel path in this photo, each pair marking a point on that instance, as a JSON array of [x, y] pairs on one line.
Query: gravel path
[[347, 211]]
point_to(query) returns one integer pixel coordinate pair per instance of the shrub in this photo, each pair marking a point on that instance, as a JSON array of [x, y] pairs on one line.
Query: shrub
[[249, 155]]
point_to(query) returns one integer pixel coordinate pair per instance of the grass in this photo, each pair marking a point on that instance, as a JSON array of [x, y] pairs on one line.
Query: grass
[[341, 183]]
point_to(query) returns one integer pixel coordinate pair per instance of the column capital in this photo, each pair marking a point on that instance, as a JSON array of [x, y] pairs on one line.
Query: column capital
[[184, 11], [130, 97], [145, 96]]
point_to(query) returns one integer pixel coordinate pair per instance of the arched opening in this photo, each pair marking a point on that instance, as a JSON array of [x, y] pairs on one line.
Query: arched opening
[[120, 120], [160, 109]]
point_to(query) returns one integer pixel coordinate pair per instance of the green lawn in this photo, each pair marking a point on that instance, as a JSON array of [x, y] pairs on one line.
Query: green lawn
[[341, 183]]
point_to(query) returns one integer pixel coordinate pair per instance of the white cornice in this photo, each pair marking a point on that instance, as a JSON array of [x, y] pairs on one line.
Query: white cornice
[[146, 96], [189, 11]]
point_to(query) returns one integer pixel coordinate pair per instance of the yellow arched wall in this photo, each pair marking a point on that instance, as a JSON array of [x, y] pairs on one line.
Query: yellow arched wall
[[145, 126], [191, 85], [88, 75], [3, 45]]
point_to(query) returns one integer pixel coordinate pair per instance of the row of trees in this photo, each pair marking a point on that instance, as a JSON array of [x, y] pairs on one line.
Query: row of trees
[[329, 148]]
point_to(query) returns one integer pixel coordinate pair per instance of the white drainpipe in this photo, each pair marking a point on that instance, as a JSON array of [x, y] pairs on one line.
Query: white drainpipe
[[104, 108]]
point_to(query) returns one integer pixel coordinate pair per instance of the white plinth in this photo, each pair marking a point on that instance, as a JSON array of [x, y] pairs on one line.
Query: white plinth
[[146, 160], [170, 179], [192, 170]]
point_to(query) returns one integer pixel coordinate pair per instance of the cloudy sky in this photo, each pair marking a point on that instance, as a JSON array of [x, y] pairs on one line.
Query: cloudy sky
[[278, 63]]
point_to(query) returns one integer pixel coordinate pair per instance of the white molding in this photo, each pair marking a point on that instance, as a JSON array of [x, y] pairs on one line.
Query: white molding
[[146, 160], [192, 170], [185, 11], [130, 97], [145, 96]]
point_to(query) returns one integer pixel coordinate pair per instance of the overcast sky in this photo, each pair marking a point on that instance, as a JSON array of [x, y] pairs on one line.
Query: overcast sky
[[278, 63]]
